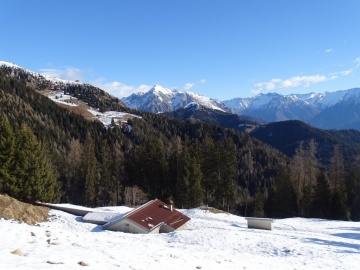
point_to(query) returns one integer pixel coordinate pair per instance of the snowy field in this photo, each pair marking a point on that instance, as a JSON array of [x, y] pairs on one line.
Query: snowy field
[[213, 241]]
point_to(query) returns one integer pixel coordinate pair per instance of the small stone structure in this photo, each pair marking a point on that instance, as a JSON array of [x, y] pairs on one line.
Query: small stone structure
[[260, 223]]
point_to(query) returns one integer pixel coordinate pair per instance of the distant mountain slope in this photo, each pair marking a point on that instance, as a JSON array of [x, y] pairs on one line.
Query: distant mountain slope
[[215, 117], [287, 135], [335, 110], [274, 107], [345, 114], [329, 110], [160, 99]]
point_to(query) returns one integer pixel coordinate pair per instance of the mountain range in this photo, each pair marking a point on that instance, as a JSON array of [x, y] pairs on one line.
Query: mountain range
[[329, 110], [160, 99], [341, 106]]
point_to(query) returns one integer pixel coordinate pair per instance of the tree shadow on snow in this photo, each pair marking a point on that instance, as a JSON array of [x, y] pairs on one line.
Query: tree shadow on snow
[[356, 247], [349, 229], [353, 234]]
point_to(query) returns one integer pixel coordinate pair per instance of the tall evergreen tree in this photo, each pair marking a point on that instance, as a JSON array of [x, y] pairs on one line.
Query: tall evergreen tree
[[182, 177], [118, 172], [311, 172], [106, 183], [7, 146], [249, 163], [321, 202], [338, 207], [226, 173], [355, 207], [336, 174], [282, 199], [73, 184], [89, 172], [258, 204], [33, 170], [208, 166], [196, 193]]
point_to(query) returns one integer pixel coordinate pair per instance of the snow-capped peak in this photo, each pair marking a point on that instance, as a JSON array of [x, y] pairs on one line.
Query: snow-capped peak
[[161, 99], [158, 89]]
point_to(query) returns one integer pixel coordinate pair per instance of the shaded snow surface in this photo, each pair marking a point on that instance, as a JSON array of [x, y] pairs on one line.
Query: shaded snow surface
[[213, 241]]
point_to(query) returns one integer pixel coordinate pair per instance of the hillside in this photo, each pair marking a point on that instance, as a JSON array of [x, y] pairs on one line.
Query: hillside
[[53, 154], [202, 114], [213, 241], [287, 135], [97, 164]]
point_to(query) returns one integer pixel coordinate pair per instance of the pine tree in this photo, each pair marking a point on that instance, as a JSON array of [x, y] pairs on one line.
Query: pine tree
[[208, 167], [282, 199], [182, 177], [297, 174], [258, 204], [106, 185], [311, 172], [337, 171], [118, 172], [336, 174], [89, 172], [34, 172], [7, 145], [321, 201], [338, 207], [355, 208], [196, 193], [250, 168], [72, 185], [304, 169], [226, 173]]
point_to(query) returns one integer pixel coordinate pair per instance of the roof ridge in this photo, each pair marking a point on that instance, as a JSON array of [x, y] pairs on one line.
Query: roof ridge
[[138, 208]]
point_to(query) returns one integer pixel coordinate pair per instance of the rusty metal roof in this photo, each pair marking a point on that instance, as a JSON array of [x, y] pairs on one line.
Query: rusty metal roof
[[156, 212]]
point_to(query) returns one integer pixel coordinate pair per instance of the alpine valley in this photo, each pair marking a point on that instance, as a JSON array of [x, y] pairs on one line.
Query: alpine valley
[[267, 156]]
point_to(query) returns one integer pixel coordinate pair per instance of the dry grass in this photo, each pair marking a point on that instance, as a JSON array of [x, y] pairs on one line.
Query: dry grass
[[213, 210], [13, 209], [17, 252]]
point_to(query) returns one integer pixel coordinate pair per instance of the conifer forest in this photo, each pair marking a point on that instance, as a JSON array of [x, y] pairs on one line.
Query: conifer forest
[[50, 154]]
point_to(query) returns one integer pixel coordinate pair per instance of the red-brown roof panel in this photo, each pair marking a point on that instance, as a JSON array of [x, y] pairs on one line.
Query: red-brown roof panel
[[156, 212]]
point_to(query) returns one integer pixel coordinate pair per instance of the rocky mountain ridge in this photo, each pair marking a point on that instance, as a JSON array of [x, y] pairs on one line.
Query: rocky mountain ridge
[[329, 110]]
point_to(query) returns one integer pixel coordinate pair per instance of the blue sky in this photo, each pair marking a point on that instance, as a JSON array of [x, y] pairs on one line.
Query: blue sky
[[220, 49]]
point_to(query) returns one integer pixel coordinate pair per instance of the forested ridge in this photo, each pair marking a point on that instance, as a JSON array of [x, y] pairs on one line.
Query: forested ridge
[[51, 154]]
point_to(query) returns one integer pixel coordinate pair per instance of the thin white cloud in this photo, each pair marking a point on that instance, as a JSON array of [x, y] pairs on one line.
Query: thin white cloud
[[357, 62], [329, 50], [276, 84], [346, 72], [119, 89], [301, 81], [189, 85], [68, 73]]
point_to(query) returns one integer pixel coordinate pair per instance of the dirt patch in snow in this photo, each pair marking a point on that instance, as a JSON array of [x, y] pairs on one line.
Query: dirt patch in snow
[[11, 208]]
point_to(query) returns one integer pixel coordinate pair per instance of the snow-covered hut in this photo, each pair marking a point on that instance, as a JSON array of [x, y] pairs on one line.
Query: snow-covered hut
[[152, 217]]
